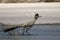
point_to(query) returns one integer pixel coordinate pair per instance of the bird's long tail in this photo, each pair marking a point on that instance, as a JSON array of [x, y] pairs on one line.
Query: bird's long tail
[[10, 29]]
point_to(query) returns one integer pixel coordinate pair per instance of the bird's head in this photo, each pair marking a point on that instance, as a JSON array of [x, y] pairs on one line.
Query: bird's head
[[36, 16]]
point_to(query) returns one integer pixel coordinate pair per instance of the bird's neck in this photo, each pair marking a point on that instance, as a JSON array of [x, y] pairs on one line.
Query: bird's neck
[[34, 20]]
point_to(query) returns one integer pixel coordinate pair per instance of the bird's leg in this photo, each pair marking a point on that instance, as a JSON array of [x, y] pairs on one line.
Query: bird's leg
[[23, 31], [27, 29]]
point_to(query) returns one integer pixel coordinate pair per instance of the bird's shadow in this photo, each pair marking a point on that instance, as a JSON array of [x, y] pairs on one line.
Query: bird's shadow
[[28, 35], [23, 35]]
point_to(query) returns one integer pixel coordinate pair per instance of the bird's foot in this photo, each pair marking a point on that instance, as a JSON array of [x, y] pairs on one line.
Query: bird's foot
[[29, 34]]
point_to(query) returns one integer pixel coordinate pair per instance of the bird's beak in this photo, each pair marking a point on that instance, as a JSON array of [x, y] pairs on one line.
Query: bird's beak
[[40, 16]]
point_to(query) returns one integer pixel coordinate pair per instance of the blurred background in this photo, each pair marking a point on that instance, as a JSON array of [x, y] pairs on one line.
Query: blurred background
[[27, 1]]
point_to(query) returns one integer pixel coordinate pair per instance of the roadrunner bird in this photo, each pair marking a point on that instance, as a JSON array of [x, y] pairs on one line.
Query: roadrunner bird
[[25, 27]]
